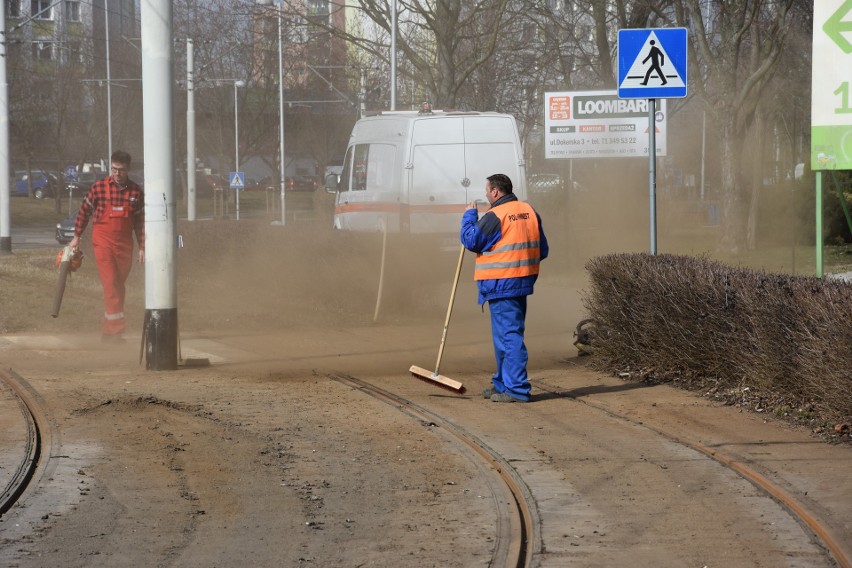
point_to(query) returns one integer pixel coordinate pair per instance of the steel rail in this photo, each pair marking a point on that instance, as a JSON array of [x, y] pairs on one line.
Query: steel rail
[[787, 501], [35, 444], [515, 546]]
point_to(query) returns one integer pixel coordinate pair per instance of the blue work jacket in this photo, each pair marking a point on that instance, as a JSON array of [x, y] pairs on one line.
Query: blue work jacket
[[478, 235]]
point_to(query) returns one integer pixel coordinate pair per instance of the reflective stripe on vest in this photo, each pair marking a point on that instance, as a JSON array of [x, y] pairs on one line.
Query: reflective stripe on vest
[[517, 252]]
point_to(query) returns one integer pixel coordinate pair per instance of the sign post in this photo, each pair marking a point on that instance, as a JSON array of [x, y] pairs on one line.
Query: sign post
[[831, 105], [238, 182], [652, 65]]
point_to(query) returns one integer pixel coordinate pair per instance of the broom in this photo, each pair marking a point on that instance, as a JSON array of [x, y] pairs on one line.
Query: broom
[[438, 379]]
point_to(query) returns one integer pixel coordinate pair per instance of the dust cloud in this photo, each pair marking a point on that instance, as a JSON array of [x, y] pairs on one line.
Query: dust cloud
[[250, 276], [247, 276]]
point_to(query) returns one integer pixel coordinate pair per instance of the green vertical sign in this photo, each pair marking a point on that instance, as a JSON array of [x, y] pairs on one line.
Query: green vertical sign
[[831, 87]]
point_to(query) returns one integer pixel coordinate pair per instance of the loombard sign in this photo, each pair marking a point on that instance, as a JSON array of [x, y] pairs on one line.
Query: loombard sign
[[597, 124], [831, 86]]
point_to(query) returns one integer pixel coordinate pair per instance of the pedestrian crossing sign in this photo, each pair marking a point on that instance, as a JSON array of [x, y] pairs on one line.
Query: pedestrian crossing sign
[[652, 63], [238, 180]]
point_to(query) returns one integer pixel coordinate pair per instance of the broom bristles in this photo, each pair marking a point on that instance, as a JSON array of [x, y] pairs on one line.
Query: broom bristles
[[439, 380]]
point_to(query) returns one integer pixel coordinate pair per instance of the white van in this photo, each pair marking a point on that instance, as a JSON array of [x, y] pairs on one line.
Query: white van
[[417, 172]]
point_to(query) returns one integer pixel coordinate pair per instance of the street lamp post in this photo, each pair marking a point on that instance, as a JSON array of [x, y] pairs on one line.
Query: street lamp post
[[237, 84], [281, 164], [281, 153], [108, 82], [393, 57]]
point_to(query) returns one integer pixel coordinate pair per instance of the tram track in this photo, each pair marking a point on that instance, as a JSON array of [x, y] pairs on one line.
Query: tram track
[[788, 502], [525, 521], [524, 534], [37, 440], [517, 536]]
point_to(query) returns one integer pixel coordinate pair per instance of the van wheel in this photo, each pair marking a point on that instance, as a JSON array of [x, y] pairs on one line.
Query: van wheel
[[39, 193]]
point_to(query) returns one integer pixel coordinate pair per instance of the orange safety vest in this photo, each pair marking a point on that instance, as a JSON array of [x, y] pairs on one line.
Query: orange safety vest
[[517, 252]]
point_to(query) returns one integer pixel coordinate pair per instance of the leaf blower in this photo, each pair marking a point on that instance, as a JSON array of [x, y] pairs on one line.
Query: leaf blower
[[67, 260], [586, 333]]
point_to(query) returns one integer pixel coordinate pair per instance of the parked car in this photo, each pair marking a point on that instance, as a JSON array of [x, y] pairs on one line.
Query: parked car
[[262, 184], [206, 184], [44, 184], [80, 185], [65, 228], [301, 183]]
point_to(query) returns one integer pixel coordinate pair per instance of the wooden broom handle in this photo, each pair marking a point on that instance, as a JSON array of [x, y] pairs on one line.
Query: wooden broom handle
[[449, 311]]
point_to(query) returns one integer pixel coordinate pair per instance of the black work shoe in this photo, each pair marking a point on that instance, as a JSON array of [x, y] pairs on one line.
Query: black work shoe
[[488, 392], [502, 397]]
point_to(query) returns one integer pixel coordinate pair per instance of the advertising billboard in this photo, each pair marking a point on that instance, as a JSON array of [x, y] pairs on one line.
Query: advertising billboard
[[598, 124]]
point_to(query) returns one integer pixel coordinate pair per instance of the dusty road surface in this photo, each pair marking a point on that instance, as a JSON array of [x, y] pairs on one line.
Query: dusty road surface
[[273, 456], [264, 459]]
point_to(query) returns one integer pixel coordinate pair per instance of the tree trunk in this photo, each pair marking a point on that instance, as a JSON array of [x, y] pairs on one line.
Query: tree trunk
[[731, 194], [756, 182]]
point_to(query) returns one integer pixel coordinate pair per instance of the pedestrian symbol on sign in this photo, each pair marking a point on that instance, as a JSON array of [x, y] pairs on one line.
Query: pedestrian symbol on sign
[[657, 58], [652, 63]]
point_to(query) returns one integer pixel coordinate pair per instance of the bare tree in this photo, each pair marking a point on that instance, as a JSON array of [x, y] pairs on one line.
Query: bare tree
[[321, 85], [734, 50], [555, 46], [221, 33], [443, 42], [29, 102], [238, 40], [66, 97], [780, 118]]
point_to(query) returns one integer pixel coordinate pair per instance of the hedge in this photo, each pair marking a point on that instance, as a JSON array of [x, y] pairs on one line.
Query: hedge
[[675, 315]]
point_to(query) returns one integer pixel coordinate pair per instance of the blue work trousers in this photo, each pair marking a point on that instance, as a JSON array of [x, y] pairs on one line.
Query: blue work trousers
[[507, 332]]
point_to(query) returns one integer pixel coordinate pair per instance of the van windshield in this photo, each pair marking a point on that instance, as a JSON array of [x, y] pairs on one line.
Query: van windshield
[[371, 167]]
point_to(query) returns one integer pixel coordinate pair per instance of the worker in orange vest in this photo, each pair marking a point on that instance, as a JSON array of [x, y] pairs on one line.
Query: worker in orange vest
[[509, 243]]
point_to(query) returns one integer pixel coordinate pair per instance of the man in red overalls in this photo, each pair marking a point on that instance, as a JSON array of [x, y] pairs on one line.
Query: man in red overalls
[[117, 204]]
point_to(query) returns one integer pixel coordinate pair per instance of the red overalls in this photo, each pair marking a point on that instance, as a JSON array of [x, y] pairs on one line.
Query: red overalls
[[112, 240]]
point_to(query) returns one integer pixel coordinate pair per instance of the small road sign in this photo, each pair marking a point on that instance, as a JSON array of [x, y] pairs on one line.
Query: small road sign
[[238, 180], [652, 63]]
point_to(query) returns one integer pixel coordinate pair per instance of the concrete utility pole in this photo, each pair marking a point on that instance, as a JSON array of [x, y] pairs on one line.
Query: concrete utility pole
[[5, 217], [282, 166], [190, 131], [161, 318]]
